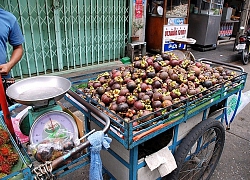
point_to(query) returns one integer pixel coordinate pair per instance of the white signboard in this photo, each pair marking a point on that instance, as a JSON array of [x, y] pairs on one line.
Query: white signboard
[[175, 32]]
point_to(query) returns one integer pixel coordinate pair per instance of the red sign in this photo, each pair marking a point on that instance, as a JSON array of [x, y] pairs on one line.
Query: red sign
[[138, 9]]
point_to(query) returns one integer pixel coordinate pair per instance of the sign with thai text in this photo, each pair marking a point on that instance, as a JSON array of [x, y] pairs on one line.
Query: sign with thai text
[[176, 21], [173, 31], [138, 9]]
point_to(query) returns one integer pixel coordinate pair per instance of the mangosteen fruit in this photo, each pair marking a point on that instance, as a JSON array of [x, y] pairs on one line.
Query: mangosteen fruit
[[122, 107]]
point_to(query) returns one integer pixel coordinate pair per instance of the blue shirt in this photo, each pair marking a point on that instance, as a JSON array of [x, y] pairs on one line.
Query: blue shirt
[[9, 32]]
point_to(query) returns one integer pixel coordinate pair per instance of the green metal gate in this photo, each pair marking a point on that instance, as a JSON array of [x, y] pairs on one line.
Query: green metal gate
[[69, 34]]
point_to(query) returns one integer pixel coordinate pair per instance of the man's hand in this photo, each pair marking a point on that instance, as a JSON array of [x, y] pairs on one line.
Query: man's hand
[[5, 69], [15, 57]]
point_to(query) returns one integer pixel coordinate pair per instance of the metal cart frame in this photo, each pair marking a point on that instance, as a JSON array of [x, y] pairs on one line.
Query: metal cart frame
[[125, 140], [125, 144]]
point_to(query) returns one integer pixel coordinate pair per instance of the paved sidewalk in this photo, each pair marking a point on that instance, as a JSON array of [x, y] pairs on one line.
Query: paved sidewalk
[[224, 52]]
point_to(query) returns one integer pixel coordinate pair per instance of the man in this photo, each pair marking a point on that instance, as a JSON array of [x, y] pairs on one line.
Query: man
[[9, 32]]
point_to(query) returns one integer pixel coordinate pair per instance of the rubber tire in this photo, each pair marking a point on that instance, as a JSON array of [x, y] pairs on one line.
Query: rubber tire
[[245, 56], [190, 140]]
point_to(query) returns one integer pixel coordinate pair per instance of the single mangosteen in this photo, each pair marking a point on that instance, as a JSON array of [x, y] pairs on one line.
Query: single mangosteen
[[124, 91], [163, 75], [149, 93], [150, 61], [131, 85], [151, 74], [156, 104], [166, 103], [145, 97], [115, 73], [165, 56], [122, 107], [100, 90], [138, 105], [116, 86], [96, 84], [121, 99], [143, 87], [156, 84], [147, 114], [157, 96], [102, 79], [141, 94], [207, 83], [131, 99], [106, 99], [157, 66]]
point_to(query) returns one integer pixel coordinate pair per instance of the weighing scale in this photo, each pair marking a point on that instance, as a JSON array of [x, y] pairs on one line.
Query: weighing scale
[[45, 118]]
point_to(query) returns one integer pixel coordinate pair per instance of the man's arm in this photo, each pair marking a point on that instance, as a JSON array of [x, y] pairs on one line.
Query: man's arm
[[14, 59]]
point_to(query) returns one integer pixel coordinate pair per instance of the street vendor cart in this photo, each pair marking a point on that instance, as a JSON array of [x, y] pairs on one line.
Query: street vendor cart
[[189, 130]]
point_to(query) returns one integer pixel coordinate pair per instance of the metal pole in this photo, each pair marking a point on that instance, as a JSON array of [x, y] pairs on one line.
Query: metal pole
[[6, 112]]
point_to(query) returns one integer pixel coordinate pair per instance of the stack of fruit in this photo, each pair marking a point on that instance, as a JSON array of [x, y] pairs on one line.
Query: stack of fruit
[[8, 156], [153, 84]]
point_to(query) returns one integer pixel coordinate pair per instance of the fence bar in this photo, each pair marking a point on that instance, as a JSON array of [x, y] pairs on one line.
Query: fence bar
[[49, 34], [98, 30], [25, 43], [79, 32], [66, 33], [38, 7], [114, 28], [85, 31], [58, 35], [32, 36], [92, 17], [72, 33]]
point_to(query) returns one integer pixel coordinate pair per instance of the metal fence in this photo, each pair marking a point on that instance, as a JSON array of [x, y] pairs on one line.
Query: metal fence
[[68, 34]]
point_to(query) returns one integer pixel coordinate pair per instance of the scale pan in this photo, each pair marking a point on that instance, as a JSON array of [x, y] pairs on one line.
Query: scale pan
[[39, 90]]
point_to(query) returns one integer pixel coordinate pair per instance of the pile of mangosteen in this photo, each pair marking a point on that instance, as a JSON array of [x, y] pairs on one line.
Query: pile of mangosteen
[[153, 83]]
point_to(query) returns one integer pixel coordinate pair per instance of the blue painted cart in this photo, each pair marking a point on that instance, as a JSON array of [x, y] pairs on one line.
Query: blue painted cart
[[193, 130]]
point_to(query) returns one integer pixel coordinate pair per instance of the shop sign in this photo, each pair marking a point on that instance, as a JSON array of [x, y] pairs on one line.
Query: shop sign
[[173, 31], [138, 9], [176, 21]]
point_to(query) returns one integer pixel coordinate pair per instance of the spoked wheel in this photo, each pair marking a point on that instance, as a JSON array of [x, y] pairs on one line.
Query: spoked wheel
[[199, 152], [245, 56]]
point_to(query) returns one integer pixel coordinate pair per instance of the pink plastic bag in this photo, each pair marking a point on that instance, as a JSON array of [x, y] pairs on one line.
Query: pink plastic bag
[[23, 138]]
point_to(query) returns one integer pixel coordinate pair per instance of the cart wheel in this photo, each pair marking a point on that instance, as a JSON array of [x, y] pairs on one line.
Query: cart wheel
[[199, 152], [245, 56]]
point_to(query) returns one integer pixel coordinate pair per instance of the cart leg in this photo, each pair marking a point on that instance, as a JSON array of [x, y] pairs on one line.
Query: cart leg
[[133, 163]]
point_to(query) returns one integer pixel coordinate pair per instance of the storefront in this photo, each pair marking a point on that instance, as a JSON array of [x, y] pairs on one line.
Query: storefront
[[166, 19], [203, 20]]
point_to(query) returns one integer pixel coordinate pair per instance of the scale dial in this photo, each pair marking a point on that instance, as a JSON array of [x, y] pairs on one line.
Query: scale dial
[[52, 124]]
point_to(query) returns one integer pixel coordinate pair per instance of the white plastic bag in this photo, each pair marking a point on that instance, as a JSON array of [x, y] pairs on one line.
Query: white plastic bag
[[232, 102]]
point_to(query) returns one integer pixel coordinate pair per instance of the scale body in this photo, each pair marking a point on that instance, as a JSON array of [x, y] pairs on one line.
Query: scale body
[[33, 113], [41, 93]]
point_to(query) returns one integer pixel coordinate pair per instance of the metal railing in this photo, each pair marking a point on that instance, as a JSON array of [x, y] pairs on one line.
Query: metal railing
[[65, 35]]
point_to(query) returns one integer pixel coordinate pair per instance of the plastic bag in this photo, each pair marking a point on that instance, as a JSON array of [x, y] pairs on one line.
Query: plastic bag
[[52, 147], [232, 102]]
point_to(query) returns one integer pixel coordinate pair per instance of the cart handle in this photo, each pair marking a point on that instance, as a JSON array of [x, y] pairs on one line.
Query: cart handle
[[5, 109], [74, 151], [221, 63]]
